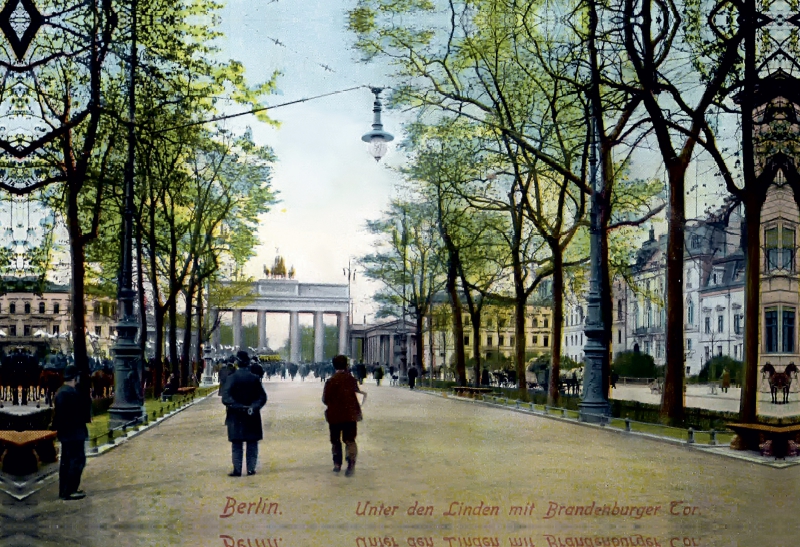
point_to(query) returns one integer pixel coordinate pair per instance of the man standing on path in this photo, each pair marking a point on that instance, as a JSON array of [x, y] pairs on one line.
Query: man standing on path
[[72, 412], [412, 376], [342, 414], [244, 396]]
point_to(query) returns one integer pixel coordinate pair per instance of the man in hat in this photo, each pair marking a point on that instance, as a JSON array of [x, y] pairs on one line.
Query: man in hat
[[244, 396], [72, 412], [342, 414]]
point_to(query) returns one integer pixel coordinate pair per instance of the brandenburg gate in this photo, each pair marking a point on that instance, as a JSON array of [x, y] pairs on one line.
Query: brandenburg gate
[[292, 297]]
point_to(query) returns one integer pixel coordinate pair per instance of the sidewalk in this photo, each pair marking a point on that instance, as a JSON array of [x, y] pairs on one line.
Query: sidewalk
[[427, 466]]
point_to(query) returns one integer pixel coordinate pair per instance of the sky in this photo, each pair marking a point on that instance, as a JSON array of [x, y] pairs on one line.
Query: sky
[[328, 184]]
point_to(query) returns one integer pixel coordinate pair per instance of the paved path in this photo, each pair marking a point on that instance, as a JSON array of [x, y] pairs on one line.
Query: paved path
[[701, 397], [168, 486]]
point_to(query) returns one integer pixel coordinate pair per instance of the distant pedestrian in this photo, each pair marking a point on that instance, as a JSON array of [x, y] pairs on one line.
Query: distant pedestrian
[[257, 369], [244, 396], [614, 378], [73, 410], [342, 414], [726, 380], [485, 380], [412, 376]]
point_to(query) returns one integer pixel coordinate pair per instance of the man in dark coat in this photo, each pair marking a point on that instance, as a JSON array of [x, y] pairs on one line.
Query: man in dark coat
[[342, 414], [244, 396], [257, 369], [72, 412], [412, 376]]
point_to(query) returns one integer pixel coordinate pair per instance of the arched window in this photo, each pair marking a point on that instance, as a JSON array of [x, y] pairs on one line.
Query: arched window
[[27, 307], [41, 307], [690, 312], [619, 310], [649, 315]]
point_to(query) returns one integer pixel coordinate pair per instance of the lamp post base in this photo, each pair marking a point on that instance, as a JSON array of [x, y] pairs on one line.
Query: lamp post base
[[595, 412]]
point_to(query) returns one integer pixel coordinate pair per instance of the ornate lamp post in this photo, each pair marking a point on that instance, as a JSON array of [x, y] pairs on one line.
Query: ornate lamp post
[[594, 407], [377, 138], [128, 397]]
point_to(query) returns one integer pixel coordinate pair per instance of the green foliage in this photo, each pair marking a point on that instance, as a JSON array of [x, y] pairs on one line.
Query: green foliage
[[635, 365], [542, 362], [713, 369]]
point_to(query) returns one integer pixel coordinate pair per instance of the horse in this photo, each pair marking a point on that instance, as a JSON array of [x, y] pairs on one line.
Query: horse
[[102, 383], [779, 380]]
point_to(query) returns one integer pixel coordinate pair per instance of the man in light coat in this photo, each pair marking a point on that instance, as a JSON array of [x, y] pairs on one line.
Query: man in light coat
[[244, 396]]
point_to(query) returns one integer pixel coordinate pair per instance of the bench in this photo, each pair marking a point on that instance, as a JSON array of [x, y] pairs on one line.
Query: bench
[[770, 440], [22, 451], [471, 392]]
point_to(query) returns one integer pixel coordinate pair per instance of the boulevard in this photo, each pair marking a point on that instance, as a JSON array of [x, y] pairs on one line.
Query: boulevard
[[432, 469]]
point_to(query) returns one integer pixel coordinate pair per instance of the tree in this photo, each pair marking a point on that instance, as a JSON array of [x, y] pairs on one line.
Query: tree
[[408, 263]]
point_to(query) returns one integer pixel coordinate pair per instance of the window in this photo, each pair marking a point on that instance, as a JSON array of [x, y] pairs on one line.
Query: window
[[780, 248], [647, 347], [771, 330], [55, 329], [658, 350], [511, 342], [12, 330], [56, 308], [695, 241], [619, 336], [502, 340], [26, 330], [41, 307], [720, 323], [771, 240], [502, 324], [689, 344], [690, 312], [545, 322], [708, 325], [536, 322], [466, 339], [787, 242], [12, 308], [719, 350], [708, 353], [535, 340], [546, 341], [27, 307], [619, 310], [98, 331], [649, 315], [788, 330], [581, 338]]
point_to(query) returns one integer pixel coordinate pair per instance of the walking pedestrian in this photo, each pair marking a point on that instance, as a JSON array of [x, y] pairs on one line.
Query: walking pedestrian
[[412, 376], [726, 380], [244, 396], [342, 414], [224, 373], [73, 410]]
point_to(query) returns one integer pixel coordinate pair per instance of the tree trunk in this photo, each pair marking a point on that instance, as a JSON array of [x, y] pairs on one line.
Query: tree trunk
[[420, 330], [558, 323], [672, 404], [200, 319], [174, 361], [186, 350], [458, 326], [140, 291], [519, 329], [752, 311], [77, 290]]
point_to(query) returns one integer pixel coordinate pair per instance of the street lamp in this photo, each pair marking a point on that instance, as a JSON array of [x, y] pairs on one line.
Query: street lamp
[[377, 138], [594, 407], [128, 366]]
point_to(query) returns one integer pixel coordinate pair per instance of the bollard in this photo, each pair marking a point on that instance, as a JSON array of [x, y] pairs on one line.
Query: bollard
[[532, 407], [110, 436], [690, 437], [563, 412], [93, 446], [517, 406], [628, 425], [713, 437]]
